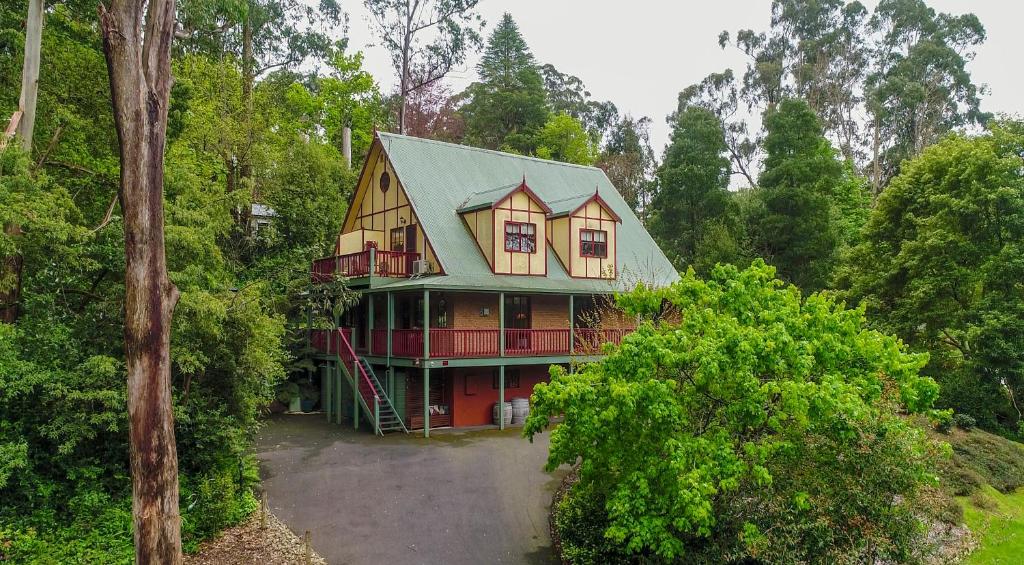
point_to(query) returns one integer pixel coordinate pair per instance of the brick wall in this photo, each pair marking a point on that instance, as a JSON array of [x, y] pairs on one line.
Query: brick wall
[[550, 311], [466, 311]]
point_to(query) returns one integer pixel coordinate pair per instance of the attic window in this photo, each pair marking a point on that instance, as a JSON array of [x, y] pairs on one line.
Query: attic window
[[385, 181], [521, 237], [593, 243]]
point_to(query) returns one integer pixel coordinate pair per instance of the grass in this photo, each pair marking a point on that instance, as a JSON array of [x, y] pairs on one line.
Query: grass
[[997, 519]]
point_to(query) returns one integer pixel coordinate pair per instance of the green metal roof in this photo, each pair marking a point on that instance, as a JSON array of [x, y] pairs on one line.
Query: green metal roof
[[442, 178], [486, 198]]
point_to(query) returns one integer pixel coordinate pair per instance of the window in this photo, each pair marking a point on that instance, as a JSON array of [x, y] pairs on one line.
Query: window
[[520, 236], [398, 239], [593, 243], [511, 379], [385, 181]]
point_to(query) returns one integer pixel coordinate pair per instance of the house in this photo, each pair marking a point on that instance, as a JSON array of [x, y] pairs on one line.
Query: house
[[477, 270]]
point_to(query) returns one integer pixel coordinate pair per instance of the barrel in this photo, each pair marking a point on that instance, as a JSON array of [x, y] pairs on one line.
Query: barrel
[[508, 413], [520, 410]]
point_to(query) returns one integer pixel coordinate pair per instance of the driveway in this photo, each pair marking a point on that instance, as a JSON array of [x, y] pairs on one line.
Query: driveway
[[466, 497]]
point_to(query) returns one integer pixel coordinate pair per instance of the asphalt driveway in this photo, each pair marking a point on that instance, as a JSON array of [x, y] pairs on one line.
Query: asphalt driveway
[[472, 497]]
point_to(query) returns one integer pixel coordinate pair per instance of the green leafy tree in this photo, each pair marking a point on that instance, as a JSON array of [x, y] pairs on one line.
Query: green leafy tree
[[564, 139], [941, 265], [507, 107], [628, 160], [795, 230], [748, 423], [567, 94], [692, 209]]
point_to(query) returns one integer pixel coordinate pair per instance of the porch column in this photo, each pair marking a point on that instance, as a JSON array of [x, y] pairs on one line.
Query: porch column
[[325, 390], [426, 324], [369, 325], [339, 387], [372, 261], [426, 402], [572, 326], [355, 394], [501, 397], [390, 322], [501, 325]]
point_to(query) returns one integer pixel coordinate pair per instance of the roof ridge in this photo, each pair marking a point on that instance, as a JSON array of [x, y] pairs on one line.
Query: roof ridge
[[492, 151]]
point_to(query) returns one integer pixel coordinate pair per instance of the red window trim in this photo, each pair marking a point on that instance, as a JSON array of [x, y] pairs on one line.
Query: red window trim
[[505, 236], [594, 256]]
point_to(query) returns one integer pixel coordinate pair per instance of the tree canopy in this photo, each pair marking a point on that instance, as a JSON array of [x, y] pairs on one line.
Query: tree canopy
[[746, 421]]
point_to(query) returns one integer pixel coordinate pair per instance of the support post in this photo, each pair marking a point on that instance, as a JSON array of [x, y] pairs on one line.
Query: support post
[[325, 390], [572, 326], [501, 324], [426, 402], [391, 322], [373, 262], [501, 397], [338, 398], [355, 394], [426, 324], [369, 322]]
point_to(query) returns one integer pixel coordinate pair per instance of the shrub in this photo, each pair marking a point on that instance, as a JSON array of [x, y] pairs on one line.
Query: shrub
[[964, 421], [982, 458]]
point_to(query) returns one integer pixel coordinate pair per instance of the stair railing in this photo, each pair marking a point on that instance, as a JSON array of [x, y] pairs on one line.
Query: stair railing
[[348, 356]]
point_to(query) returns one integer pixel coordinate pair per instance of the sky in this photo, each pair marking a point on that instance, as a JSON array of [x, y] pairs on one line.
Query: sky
[[640, 54]]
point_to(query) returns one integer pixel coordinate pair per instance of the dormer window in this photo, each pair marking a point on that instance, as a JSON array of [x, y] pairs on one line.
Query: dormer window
[[521, 237], [593, 243]]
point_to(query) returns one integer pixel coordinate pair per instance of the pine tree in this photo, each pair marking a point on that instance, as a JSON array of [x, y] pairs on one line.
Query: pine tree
[[795, 229], [693, 216], [507, 107]]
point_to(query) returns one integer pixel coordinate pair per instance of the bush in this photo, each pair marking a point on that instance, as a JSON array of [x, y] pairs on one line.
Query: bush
[[982, 458], [580, 521], [964, 421]]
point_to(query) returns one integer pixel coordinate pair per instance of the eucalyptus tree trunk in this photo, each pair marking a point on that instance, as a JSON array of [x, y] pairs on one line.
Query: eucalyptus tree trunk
[[137, 37], [30, 73]]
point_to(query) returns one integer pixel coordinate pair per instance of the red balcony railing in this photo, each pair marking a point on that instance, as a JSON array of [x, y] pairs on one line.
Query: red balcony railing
[[536, 342], [388, 264], [589, 340], [464, 343], [471, 343]]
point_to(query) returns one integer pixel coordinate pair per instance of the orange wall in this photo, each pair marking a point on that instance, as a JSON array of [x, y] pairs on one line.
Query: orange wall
[[472, 405]]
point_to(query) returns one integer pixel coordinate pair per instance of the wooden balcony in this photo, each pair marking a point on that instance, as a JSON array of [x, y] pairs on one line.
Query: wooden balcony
[[369, 262], [448, 343]]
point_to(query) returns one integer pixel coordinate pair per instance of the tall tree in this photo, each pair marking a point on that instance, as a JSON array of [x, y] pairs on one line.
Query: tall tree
[[794, 231], [30, 74], [137, 41], [507, 106], [918, 88], [432, 113], [628, 160], [692, 204], [567, 94], [401, 25], [941, 265]]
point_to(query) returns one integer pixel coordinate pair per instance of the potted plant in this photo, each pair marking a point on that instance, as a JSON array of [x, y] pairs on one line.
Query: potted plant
[[288, 394]]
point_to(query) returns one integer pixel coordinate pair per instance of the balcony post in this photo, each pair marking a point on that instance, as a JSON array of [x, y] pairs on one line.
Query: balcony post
[[501, 326], [572, 326], [373, 262], [326, 394], [339, 389], [426, 324], [369, 321], [426, 402], [501, 397], [390, 322], [355, 394]]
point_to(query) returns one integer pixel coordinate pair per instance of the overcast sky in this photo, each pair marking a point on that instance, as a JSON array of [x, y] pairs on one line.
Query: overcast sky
[[640, 54]]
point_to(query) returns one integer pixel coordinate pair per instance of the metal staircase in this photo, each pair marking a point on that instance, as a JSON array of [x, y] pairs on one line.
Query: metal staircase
[[361, 377]]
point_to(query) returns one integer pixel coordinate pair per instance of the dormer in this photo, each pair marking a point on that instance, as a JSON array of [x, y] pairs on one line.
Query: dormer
[[582, 230], [510, 227]]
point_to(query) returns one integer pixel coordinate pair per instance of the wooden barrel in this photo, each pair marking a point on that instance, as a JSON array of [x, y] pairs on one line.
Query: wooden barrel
[[508, 413], [520, 410]]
